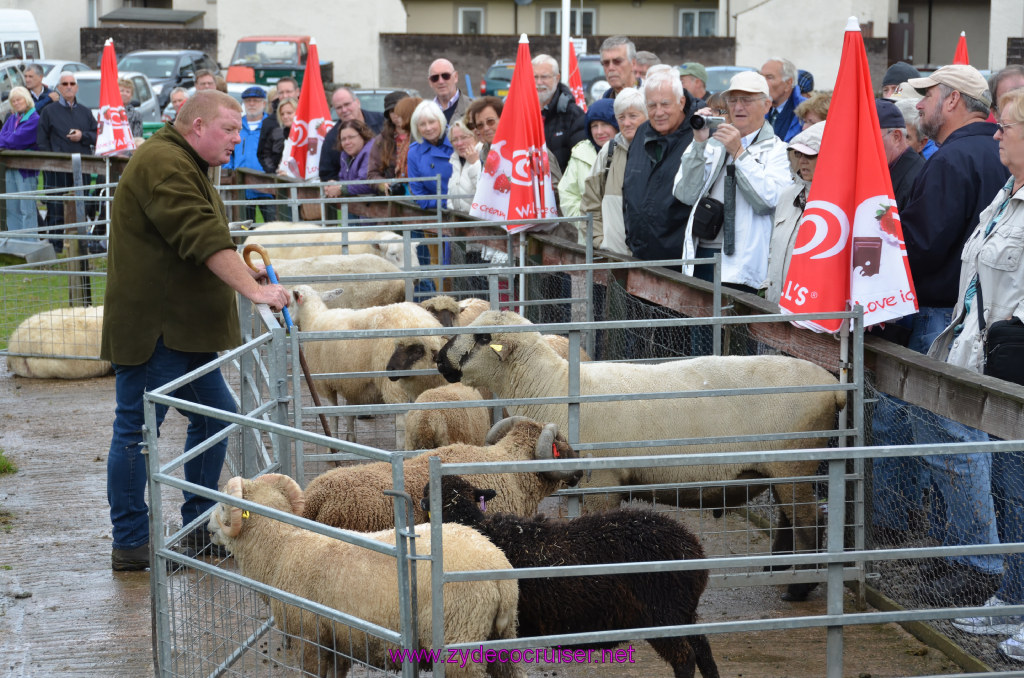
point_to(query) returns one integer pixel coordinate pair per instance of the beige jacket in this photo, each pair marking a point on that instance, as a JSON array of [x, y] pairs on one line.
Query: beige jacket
[[602, 198]]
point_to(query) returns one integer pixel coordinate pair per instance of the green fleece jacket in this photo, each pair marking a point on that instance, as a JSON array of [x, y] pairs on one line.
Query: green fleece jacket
[[167, 220]]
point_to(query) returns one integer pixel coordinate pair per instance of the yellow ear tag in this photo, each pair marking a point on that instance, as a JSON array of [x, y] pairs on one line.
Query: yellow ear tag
[[245, 515], [497, 347]]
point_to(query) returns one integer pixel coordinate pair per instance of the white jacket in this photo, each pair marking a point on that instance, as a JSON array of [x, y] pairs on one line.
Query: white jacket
[[997, 260], [762, 172], [463, 181]]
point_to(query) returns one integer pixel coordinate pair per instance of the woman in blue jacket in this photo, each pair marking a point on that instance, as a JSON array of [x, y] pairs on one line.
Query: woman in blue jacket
[[429, 153], [19, 134]]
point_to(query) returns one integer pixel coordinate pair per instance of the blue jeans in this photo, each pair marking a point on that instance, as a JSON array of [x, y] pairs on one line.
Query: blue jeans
[[126, 465], [424, 287], [21, 213], [897, 482], [1008, 496]]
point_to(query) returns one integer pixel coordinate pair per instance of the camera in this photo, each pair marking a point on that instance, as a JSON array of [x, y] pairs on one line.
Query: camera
[[711, 122]]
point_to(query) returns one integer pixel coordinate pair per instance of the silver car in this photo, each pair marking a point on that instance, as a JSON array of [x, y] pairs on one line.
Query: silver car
[[145, 100]]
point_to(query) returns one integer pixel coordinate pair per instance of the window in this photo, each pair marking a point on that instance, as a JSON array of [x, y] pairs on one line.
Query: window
[[698, 23], [31, 49], [12, 49], [471, 20], [581, 21]]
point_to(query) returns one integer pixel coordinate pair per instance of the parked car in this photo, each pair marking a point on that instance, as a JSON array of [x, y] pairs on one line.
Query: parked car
[[168, 68], [52, 68], [10, 77], [235, 89], [265, 59], [592, 73], [497, 78], [719, 76], [373, 99], [145, 99]]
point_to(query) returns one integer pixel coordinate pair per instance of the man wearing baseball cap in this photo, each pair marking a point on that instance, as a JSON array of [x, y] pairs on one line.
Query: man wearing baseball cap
[[747, 152], [954, 186], [695, 80], [254, 101]]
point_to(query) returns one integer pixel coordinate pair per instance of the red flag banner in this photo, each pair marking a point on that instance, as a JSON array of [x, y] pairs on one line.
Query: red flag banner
[[113, 135], [850, 248], [516, 181], [575, 81], [301, 156], [961, 51]]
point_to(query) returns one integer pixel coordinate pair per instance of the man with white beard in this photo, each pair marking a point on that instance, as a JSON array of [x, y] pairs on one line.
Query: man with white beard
[[564, 121]]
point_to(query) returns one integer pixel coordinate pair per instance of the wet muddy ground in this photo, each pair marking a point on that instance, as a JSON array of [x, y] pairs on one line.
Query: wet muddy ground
[[64, 613]]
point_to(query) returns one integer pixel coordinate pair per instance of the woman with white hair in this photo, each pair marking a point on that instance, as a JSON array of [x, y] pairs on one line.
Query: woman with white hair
[[602, 189], [465, 161], [429, 153], [19, 134]]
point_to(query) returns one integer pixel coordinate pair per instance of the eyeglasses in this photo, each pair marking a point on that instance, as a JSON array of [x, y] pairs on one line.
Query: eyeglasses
[[543, 77], [800, 156], [439, 76], [68, 84], [1003, 126], [746, 101]]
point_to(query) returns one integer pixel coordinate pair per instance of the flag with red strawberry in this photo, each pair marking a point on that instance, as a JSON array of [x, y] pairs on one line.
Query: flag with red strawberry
[[301, 156], [113, 134], [849, 248], [575, 81], [516, 178]]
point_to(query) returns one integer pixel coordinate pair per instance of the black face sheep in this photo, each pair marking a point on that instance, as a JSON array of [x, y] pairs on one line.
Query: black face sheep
[[360, 582], [521, 365], [557, 605], [352, 497]]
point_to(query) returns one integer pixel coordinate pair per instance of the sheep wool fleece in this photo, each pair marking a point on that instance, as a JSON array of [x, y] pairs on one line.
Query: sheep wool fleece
[[167, 220]]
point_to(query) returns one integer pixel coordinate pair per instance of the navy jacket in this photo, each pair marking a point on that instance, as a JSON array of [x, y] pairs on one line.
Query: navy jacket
[[655, 221], [564, 124], [903, 172], [57, 120], [786, 124], [954, 186]]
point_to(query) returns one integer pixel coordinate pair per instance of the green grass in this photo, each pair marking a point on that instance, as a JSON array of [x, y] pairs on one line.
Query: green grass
[[6, 465]]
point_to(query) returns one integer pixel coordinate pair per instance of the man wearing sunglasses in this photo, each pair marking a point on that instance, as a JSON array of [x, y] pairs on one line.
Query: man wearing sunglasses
[[444, 80], [66, 126]]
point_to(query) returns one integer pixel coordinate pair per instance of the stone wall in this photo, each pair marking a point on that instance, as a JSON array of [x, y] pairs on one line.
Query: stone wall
[[131, 39], [405, 58]]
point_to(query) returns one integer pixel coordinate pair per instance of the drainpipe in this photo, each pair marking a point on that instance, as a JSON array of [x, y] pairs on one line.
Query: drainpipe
[[929, 51]]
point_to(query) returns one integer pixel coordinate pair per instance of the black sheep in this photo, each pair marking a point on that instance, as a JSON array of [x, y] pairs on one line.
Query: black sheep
[[558, 605]]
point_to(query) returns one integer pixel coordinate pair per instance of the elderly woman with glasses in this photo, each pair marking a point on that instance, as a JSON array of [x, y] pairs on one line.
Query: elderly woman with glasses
[[992, 291], [465, 161], [19, 134]]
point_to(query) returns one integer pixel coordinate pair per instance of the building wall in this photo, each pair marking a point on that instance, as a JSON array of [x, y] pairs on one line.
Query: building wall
[[405, 58], [762, 31], [651, 18], [949, 17], [346, 32], [1006, 21]]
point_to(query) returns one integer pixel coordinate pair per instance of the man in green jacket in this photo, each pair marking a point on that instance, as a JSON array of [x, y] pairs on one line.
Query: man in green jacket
[[170, 305]]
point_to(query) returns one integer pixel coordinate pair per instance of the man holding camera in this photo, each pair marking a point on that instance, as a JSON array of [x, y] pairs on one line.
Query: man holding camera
[[732, 174]]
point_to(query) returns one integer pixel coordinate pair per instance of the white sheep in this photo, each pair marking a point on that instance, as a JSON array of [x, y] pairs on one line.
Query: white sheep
[[363, 355], [521, 365], [352, 293], [389, 245], [452, 313], [362, 583], [352, 497], [427, 429], [69, 331]]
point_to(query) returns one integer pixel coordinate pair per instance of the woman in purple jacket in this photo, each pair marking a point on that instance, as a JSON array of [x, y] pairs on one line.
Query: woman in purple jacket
[[355, 141], [19, 134]]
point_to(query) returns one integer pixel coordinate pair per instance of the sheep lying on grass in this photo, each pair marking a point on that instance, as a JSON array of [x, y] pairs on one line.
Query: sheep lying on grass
[[352, 293], [280, 245], [427, 429], [72, 331], [521, 365], [352, 497], [556, 605], [360, 582], [361, 355]]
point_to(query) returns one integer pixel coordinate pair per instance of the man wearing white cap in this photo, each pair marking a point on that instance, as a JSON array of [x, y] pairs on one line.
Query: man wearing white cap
[[954, 186], [742, 168]]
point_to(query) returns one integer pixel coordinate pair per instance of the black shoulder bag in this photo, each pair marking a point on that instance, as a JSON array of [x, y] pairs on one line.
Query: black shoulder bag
[[1004, 345]]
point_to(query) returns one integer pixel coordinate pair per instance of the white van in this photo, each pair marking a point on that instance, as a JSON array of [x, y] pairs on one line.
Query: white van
[[19, 35]]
